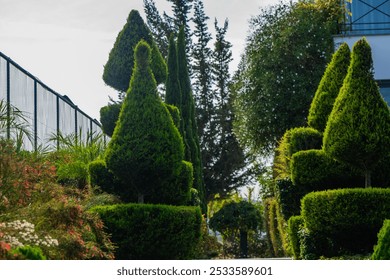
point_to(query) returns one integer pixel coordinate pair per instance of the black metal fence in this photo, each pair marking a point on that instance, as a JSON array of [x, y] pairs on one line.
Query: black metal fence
[[47, 112]]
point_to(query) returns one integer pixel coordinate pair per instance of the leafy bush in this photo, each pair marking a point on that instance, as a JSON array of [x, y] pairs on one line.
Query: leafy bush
[[295, 140], [351, 218], [100, 176], [275, 228], [145, 231], [289, 197], [295, 224], [73, 173], [108, 117], [314, 170], [382, 249], [29, 253]]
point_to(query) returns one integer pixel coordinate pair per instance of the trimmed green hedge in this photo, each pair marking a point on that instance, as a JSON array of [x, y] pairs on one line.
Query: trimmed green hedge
[[295, 140], [382, 249], [314, 170], [152, 232], [289, 197], [351, 218], [295, 224]]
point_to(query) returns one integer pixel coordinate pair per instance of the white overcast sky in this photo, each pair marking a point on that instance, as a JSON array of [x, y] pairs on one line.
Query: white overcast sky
[[65, 43]]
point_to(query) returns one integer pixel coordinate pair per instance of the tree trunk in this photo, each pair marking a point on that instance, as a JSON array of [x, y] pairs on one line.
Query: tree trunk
[[243, 244], [140, 198], [368, 178]]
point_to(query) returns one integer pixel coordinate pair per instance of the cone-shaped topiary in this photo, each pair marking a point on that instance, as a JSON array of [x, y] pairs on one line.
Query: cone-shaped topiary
[[146, 149], [329, 88], [358, 129], [119, 67]]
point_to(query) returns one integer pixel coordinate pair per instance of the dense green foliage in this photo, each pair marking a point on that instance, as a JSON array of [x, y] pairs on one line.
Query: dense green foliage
[[286, 54], [295, 224], [100, 176], [152, 232], [187, 109], [294, 140], [289, 197], [242, 216], [108, 116], [350, 218], [120, 64], [146, 149], [329, 88], [358, 130], [315, 170], [382, 249], [173, 92], [275, 230]]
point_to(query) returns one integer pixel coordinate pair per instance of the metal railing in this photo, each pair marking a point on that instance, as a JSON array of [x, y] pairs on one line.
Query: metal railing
[[47, 112]]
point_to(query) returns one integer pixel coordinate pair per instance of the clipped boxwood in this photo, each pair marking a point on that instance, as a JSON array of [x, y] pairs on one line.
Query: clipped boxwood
[[316, 171], [289, 197], [382, 249], [152, 232], [295, 224], [350, 217]]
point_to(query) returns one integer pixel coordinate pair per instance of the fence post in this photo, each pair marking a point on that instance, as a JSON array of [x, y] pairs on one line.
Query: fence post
[[8, 102], [58, 122], [35, 115]]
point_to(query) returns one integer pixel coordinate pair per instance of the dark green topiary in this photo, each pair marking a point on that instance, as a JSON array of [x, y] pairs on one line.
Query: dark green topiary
[[351, 218], [382, 249], [295, 224], [358, 129], [314, 170], [175, 114], [100, 176], [242, 216], [329, 88], [108, 116], [289, 197], [146, 149], [152, 232], [120, 64], [173, 91]]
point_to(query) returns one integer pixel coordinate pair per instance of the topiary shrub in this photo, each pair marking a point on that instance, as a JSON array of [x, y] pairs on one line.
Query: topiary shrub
[[100, 176], [295, 140], [295, 224], [152, 232], [146, 150], [289, 197], [382, 249], [329, 88], [358, 129], [108, 117], [316, 171], [351, 218]]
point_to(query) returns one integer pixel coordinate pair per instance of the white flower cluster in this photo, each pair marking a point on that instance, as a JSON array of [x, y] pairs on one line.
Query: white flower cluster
[[18, 231]]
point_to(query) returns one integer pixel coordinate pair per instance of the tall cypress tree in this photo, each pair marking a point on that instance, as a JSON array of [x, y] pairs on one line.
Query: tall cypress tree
[[329, 88], [146, 150], [187, 108], [358, 129], [225, 172]]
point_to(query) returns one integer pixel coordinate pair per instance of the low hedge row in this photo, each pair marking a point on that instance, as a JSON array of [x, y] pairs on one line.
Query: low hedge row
[[146, 231], [382, 249], [350, 218]]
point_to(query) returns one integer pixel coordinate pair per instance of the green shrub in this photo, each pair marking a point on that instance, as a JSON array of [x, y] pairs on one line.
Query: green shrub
[[29, 253], [274, 229], [144, 231], [108, 117], [382, 249], [175, 114], [295, 224], [73, 173], [295, 140], [100, 176], [351, 218], [289, 197], [315, 171]]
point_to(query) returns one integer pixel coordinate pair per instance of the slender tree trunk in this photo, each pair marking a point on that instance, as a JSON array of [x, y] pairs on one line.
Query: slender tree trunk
[[243, 244], [140, 198], [368, 178]]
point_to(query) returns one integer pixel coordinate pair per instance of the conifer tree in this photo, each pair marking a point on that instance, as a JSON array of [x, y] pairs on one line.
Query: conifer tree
[[119, 67], [329, 88], [187, 108], [173, 92], [146, 150], [358, 129]]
